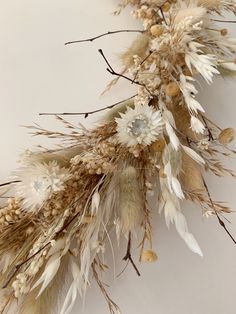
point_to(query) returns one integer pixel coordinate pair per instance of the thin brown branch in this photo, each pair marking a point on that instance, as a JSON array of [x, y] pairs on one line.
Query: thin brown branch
[[18, 266], [144, 60], [114, 309], [112, 72], [9, 183], [221, 222], [85, 114], [223, 21], [128, 256], [163, 15], [103, 35], [210, 135]]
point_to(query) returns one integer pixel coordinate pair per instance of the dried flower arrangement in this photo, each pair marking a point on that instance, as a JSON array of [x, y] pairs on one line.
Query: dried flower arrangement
[[157, 144]]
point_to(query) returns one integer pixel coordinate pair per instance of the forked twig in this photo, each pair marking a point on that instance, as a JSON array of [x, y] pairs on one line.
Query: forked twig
[[221, 222], [128, 256], [112, 72]]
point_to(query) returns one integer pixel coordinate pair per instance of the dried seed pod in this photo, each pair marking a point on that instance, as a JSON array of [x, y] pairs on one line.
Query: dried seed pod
[[158, 146], [166, 7], [149, 256], [226, 136], [156, 30], [162, 173], [172, 89], [224, 31]]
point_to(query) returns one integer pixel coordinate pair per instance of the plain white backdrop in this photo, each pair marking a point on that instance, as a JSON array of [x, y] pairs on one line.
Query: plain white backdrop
[[39, 74]]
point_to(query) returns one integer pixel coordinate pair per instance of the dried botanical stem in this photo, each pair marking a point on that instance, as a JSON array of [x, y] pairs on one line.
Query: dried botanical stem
[[112, 72], [163, 15], [8, 183], [144, 60], [217, 215], [214, 124], [85, 114], [210, 135], [128, 256], [114, 309], [103, 35], [223, 21], [17, 268]]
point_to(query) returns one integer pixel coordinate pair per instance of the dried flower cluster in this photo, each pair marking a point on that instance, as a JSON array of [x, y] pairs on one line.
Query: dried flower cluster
[[157, 144]]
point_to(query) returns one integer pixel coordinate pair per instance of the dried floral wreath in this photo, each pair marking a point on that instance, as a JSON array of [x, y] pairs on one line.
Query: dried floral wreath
[[158, 143]]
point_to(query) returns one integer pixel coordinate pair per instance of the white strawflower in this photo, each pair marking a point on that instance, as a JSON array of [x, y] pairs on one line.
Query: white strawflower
[[38, 182], [139, 125], [197, 126]]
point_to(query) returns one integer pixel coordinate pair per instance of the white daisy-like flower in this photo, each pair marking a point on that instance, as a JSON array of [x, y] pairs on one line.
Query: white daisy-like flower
[[38, 182], [139, 125]]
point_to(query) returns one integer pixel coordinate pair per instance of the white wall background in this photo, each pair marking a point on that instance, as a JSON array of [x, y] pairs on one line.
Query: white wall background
[[37, 73]]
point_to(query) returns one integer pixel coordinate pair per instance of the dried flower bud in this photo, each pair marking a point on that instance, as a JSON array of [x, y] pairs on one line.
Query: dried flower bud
[[162, 173], [166, 7], [224, 31], [149, 256], [172, 89], [156, 30], [158, 146], [29, 230], [226, 136]]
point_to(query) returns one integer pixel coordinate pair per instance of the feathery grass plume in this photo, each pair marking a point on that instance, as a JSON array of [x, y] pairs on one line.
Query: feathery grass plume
[[131, 203]]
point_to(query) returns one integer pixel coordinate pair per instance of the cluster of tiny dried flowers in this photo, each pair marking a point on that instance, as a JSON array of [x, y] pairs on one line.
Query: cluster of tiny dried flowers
[[156, 144]]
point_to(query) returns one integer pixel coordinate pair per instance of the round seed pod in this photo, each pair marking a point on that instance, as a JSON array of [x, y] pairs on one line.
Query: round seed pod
[[226, 136], [224, 31], [172, 89], [156, 30], [158, 146], [149, 256], [166, 7], [162, 173]]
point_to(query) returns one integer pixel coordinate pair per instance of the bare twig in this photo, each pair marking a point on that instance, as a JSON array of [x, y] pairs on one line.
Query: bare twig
[[114, 309], [85, 114], [112, 72], [144, 60], [221, 222], [128, 256], [210, 135], [103, 35], [18, 266], [163, 15], [223, 21], [8, 183]]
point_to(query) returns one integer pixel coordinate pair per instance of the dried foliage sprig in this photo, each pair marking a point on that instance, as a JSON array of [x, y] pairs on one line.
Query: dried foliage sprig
[[156, 145]]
